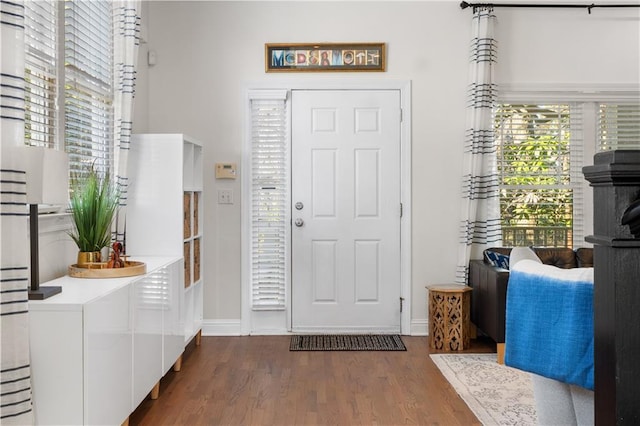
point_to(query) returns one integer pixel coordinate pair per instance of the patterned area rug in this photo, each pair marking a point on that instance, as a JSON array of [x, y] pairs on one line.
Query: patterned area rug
[[347, 342], [497, 394]]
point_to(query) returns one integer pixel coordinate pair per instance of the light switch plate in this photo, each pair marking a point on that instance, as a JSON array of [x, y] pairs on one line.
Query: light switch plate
[[225, 196]]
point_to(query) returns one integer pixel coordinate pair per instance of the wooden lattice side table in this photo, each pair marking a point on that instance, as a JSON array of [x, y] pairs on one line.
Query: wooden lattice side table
[[449, 312]]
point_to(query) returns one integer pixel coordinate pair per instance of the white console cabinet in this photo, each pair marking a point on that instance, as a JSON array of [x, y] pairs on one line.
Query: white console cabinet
[[99, 347], [164, 211]]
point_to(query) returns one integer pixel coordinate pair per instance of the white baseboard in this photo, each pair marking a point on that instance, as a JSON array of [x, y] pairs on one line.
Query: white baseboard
[[221, 327], [419, 327], [270, 332], [232, 327]]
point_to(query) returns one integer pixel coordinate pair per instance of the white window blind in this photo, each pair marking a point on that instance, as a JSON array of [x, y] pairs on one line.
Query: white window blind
[[540, 161], [618, 126], [41, 82], [576, 177], [88, 85], [269, 200]]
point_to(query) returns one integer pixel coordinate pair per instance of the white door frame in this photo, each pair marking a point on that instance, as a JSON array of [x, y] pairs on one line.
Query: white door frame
[[279, 322]]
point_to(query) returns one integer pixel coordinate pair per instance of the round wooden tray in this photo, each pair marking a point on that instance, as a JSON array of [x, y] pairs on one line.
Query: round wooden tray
[[100, 270]]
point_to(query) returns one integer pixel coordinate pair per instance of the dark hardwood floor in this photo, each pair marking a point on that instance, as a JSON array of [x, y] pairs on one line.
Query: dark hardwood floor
[[256, 380]]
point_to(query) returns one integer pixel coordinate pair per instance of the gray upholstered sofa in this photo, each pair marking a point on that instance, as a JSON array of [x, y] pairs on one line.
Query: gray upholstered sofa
[[489, 282]]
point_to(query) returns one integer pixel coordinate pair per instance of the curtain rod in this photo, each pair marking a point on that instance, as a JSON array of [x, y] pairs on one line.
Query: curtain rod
[[465, 5]]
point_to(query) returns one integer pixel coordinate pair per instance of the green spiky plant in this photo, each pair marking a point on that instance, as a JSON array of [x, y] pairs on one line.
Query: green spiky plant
[[94, 202]]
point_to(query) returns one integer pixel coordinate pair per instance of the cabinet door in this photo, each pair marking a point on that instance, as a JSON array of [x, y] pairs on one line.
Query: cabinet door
[[173, 316], [150, 295], [108, 363], [56, 366]]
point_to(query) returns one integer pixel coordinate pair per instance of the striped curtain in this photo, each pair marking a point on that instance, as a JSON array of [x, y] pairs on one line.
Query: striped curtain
[[480, 216], [15, 374], [126, 40]]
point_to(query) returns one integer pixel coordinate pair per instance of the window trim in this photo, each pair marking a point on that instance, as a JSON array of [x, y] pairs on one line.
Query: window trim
[[549, 92]]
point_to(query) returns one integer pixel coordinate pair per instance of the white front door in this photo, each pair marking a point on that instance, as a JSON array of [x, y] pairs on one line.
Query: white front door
[[345, 210]]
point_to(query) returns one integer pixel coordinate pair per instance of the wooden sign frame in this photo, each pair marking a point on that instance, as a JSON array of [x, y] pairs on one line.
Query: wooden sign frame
[[323, 57]]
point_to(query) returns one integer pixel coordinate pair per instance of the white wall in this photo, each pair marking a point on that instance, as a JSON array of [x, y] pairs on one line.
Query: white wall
[[207, 53], [57, 249], [569, 46]]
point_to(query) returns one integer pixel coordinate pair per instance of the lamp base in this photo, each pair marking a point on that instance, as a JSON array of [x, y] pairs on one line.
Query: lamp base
[[44, 293]]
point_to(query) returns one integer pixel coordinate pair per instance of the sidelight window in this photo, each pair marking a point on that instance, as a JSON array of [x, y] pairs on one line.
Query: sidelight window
[[269, 200]]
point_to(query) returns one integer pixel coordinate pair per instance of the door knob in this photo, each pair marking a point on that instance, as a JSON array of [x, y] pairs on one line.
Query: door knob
[[299, 222], [299, 205]]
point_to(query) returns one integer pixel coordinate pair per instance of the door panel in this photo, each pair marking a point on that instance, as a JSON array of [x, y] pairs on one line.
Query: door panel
[[325, 289], [323, 178], [367, 171], [367, 271], [346, 236]]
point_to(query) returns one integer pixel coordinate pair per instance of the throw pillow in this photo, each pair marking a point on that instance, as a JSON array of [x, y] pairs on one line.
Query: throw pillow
[[522, 253], [497, 259]]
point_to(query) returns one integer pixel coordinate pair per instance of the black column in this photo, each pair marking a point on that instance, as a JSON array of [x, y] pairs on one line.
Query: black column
[[615, 178]]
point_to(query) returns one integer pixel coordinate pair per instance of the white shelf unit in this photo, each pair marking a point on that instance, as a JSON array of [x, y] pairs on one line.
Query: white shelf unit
[[99, 347], [165, 211]]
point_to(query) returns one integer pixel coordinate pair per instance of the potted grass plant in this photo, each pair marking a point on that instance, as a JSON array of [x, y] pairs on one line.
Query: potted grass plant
[[94, 201]]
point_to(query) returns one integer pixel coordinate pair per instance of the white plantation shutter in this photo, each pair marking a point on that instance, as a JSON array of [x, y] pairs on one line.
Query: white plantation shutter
[[41, 81], [619, 126], [88, 84], [269, 199]]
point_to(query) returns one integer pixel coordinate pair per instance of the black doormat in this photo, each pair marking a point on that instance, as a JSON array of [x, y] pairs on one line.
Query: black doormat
[[347, 342]]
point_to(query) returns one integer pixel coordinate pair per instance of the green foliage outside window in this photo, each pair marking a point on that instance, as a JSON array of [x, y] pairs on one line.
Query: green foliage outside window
[[534, 166]]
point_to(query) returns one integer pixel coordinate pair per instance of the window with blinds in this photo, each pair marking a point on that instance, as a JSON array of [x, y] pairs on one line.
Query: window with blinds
[[539, 150], [618, 126], [88, 91], [269, 200], [41, 68], [85, 59]]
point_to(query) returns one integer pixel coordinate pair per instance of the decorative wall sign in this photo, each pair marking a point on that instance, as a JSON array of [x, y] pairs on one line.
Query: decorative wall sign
[[322, 57]]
